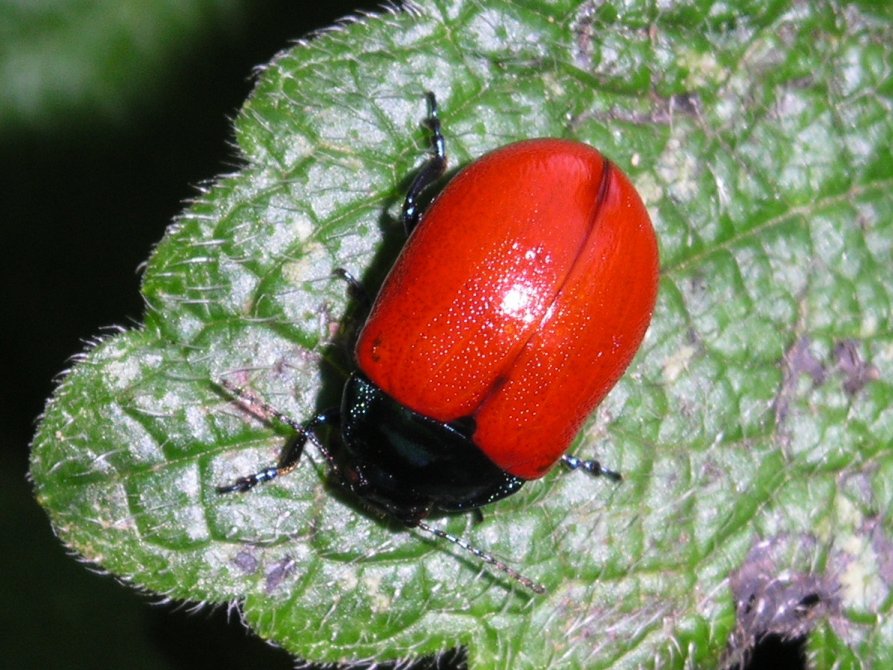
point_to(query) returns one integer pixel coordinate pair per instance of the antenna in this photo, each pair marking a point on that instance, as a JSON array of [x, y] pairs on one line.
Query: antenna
[[486, 557]]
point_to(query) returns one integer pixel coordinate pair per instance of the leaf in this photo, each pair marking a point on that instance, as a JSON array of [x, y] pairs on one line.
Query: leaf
[[753, 429]]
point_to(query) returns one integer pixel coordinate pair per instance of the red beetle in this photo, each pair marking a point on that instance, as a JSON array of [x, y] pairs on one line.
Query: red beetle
[[519, 300]]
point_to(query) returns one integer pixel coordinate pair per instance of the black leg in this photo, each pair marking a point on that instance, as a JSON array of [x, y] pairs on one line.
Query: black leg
[[594, 468], [430, 172], [288, 462], [291, 456], [354, 288]]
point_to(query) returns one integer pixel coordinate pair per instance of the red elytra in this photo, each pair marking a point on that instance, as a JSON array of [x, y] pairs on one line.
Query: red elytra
[[519, 300]]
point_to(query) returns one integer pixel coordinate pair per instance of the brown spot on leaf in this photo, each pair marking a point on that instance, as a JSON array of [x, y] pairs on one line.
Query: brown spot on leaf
[[856, 372], [279, 573], [773, 598], [798, 360]]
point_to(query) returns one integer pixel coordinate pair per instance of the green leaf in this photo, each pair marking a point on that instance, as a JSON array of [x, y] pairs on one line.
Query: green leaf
[[754, 428]]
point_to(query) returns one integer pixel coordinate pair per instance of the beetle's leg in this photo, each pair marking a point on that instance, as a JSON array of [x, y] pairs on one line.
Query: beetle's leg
[[354, 288], [353, 321], [592, 467], [287, 462], [430, 172], [291, 455]]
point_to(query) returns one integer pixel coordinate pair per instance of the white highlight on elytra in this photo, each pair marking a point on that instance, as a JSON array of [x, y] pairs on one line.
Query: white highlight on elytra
[[518, 302]]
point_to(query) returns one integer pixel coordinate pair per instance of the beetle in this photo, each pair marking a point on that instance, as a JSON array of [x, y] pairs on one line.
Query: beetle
[[519, 299]]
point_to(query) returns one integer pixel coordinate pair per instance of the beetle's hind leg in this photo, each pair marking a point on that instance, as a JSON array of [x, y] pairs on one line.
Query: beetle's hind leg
[[594, 468]]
